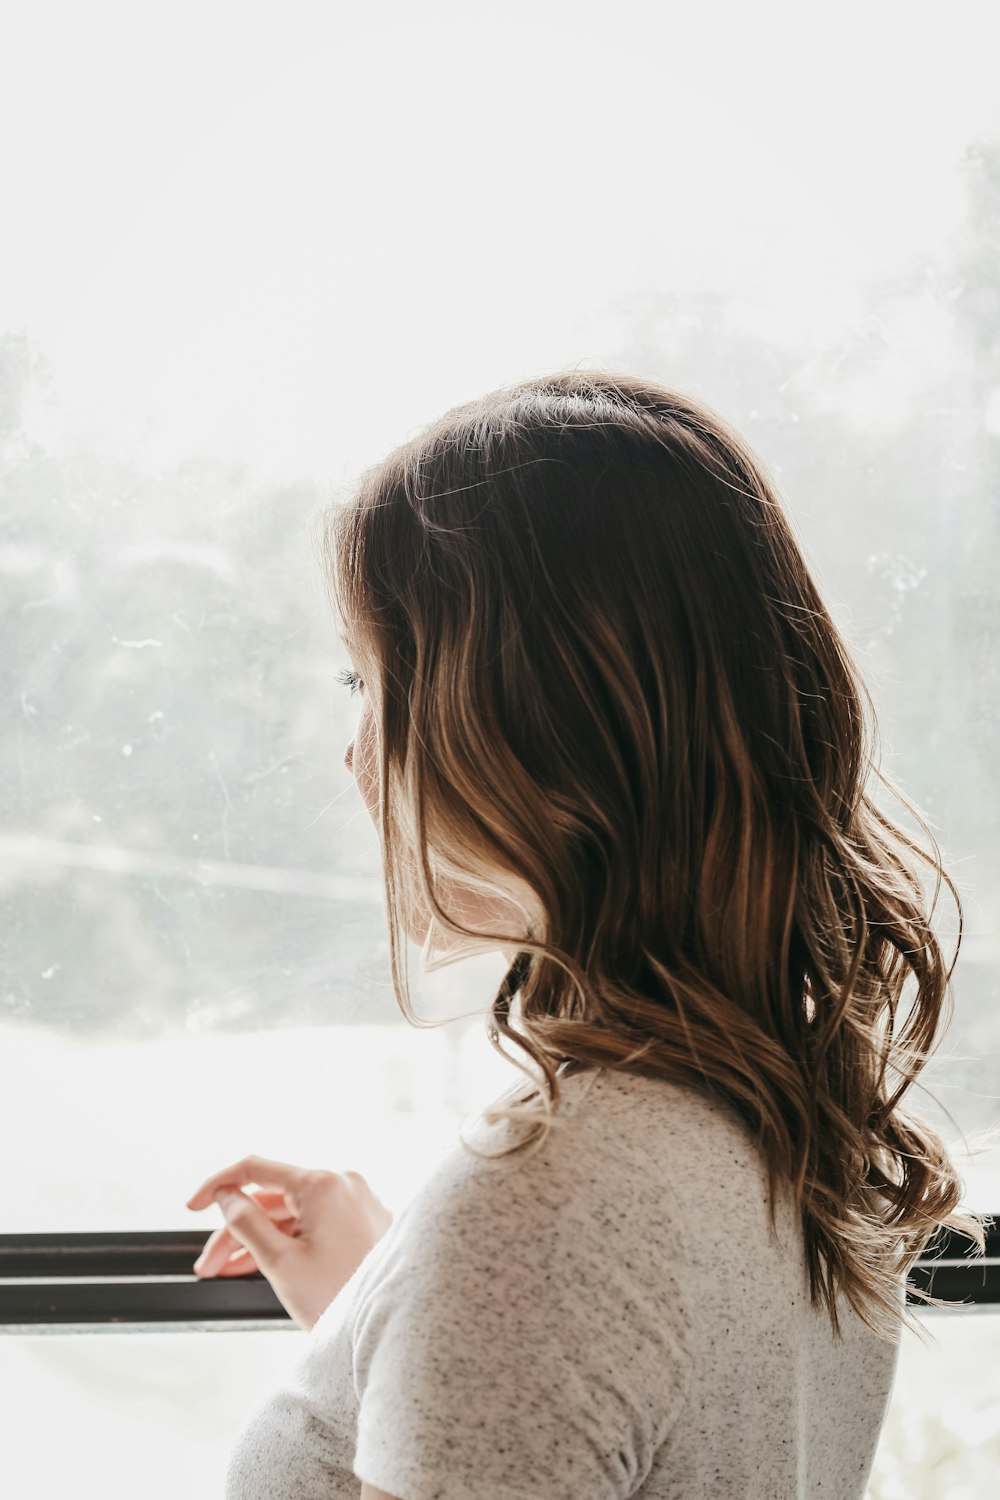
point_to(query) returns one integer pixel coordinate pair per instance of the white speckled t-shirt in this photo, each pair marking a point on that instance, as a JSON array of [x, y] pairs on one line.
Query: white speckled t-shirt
[[605, 1319]]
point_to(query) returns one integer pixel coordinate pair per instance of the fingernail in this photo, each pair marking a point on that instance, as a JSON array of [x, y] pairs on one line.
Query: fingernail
[[199, 1262]]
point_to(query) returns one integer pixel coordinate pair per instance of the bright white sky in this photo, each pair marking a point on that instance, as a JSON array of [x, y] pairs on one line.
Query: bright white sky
[[292, 232]]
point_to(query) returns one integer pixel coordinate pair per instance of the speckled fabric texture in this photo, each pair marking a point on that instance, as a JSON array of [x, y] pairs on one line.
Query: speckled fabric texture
[[609, 1318]]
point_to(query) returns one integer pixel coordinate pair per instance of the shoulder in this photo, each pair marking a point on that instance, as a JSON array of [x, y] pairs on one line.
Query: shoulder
[[483, 1196], [545, 1294], [595, 1198]]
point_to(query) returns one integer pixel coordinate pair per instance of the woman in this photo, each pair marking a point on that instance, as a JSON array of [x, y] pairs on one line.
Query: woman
[[609, 727]]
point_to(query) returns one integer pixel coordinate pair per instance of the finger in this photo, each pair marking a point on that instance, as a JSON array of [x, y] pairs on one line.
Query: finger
[[223, 1242], [252, 1227], [274, 1203], [274, 1206], [226, 1264], [247, 1266], [240, 1265], [215, 1250], [250, 1169]]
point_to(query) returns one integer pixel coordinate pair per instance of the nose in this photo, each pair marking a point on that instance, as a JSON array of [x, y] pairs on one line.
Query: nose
[[349, 756]]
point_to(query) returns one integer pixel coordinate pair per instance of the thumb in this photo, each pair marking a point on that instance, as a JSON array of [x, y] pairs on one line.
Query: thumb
[[251, 1226]]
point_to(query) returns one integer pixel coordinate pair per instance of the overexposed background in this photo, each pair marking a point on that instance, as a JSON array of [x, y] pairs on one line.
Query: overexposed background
[[247, 248]]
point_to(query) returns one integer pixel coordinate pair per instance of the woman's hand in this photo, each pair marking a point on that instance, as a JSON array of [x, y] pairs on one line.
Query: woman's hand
[[305, 1231]]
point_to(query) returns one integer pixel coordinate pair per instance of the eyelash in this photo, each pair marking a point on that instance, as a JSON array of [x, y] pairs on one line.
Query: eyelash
[[350, 679]]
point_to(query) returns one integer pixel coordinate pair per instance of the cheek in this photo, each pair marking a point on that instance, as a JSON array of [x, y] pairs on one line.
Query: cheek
[[365, 761]]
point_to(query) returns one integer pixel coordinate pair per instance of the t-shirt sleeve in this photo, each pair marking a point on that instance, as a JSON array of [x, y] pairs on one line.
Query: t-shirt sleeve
[[527, 1340]]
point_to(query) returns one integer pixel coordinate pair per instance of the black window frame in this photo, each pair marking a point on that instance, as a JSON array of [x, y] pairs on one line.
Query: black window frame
[[141, 1280]]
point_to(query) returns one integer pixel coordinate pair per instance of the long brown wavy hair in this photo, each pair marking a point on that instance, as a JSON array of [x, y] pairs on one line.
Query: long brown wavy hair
[[608, 686]]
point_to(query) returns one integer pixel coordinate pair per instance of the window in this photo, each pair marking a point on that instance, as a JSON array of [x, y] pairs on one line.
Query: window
[[248, 251]]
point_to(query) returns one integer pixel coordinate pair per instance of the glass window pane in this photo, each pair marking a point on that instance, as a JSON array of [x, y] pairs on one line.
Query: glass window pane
[[212, 318]]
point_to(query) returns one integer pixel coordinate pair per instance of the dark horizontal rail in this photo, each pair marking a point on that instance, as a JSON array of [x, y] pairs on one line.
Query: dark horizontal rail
[[124, 1280], [135, 1252], [144, 1279], [36, 1307]]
